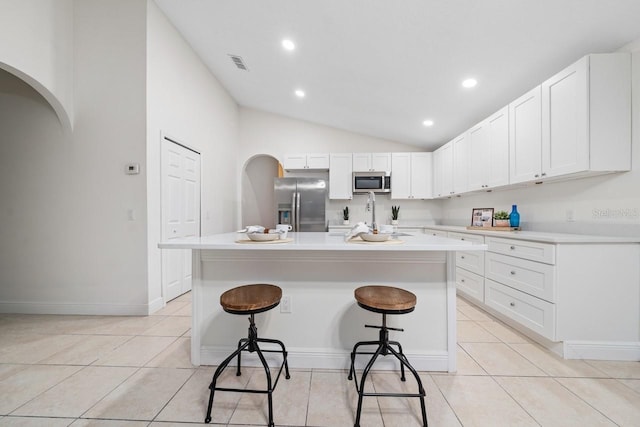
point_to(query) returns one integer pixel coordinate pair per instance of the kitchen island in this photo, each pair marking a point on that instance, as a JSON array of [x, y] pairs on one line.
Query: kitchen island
[[318, 273]]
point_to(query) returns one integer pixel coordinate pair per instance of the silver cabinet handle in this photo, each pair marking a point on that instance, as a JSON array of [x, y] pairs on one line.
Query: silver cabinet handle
[[513, 273], [544, 174], [461, 280], [513, 248], [512, 304], [461, 256]]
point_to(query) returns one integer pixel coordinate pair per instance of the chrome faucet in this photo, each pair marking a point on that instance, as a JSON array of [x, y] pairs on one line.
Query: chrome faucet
[[371, 206]]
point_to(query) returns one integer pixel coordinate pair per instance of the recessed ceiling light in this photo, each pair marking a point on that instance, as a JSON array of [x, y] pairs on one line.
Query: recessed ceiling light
[[300, 93], [288, 44], [469, 83], [428, 123]]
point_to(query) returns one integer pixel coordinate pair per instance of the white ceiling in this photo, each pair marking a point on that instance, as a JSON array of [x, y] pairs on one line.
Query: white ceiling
[[381, 67]]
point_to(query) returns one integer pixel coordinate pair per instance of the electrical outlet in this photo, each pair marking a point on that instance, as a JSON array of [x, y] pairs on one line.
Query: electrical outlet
[[285, 304]]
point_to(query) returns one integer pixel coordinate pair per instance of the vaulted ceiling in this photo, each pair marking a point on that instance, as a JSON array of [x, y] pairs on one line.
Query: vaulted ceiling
[[383, 67]]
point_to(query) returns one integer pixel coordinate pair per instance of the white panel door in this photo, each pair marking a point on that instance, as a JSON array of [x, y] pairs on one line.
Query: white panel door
[[525, 142], [498, 148], [400, 175], [340, 176], [180, 214], [421, 176], [565, 106], [461, 159]]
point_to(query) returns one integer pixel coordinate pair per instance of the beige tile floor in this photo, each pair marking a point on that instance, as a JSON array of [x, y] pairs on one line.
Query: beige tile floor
[[135, 371]]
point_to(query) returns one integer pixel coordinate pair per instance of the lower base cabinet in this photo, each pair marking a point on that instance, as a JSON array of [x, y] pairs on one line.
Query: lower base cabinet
[[471, 284], [531, 312], [577, 295]]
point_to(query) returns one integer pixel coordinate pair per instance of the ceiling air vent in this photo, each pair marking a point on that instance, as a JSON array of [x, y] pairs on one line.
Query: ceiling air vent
[[239, 62]]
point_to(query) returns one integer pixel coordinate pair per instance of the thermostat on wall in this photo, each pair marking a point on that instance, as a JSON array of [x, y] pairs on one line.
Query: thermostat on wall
[[132, 169]]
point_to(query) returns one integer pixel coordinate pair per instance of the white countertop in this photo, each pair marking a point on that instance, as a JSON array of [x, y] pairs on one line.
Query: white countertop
[[537, 236], [322, 242]]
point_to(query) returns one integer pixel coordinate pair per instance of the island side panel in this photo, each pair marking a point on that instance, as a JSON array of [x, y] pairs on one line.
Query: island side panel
[[326, 321]]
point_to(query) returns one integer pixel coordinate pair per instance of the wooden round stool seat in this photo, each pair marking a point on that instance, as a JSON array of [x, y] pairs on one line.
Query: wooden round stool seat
[[251, 299], [385, 299]]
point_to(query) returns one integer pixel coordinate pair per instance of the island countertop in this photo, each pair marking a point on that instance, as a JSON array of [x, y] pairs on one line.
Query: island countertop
[[314, 241]]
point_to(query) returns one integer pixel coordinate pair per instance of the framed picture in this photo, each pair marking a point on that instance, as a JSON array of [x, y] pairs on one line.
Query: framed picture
[[482, 217]]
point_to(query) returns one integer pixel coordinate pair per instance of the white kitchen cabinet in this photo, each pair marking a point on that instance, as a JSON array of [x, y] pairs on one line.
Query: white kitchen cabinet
[[340, 176], [525, 137], [460, 163], [479, 157], [435, 233], [306, 161], [497, 161], [411, 176], [443, 171], [470, 268], [586, 117], [489, 152], [371, 162], [559, 291], [577, 123]]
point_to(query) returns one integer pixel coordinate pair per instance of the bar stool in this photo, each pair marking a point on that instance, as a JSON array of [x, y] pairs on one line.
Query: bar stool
[[251, 299], [384, 300]]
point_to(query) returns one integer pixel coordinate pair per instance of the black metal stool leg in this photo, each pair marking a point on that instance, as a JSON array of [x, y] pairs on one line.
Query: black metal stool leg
[[402, 377], [269, 387], [352, 371], [362, 383], [238, 373], [218, 372], [284, 353], [403, 360]]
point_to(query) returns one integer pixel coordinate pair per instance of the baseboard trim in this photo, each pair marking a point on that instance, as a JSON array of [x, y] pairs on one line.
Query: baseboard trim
[[156, 305], [326, 359], [75, 309], [602, 350]]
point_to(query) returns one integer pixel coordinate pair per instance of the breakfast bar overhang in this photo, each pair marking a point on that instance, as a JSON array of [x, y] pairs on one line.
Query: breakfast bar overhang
[[318, 273]]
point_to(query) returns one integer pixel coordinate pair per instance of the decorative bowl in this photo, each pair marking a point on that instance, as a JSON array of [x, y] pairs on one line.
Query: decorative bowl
[[261, 237], [375, 237]]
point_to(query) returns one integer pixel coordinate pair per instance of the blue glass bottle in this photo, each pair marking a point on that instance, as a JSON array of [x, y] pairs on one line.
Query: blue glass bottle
[[514, 217]]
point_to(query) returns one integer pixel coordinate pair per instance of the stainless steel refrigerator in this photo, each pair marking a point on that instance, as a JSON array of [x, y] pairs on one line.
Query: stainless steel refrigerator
[[300, 202]]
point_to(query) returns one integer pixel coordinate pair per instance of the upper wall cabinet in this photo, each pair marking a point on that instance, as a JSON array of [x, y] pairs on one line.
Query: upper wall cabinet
[[461, 154], [443, 171], [340, 176], [525, 137], [411, 176], [489, 152], [371, 162], [306, 161], [577, 123], [586, 117]]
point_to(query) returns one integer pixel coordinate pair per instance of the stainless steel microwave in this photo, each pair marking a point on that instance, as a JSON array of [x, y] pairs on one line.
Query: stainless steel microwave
[[378, 182]]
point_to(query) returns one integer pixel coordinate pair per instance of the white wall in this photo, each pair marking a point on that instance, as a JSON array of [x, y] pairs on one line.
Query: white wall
[[544, 207], [186, 101], [37, 46], [276, 135], [258, 199], [69, 245]]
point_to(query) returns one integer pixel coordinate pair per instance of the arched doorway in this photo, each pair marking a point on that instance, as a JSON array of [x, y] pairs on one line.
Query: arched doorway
[[257, 191]]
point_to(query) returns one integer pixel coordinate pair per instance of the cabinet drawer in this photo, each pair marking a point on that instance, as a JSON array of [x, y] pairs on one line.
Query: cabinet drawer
[[438, 233], [471, 284], [534, 251], [475, 238], [472, 261], [534, 278], [531, 312]]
